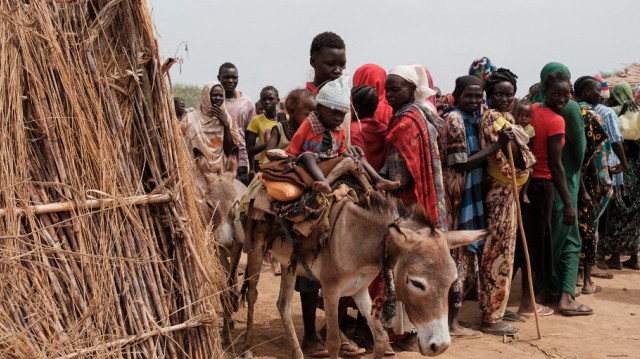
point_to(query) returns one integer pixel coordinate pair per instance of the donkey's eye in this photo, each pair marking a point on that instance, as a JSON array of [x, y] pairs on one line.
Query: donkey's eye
[[416, 284]]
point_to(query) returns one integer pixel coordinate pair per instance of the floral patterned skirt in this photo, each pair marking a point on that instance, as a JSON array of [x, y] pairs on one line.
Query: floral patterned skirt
[[496, 268], [620, 232]]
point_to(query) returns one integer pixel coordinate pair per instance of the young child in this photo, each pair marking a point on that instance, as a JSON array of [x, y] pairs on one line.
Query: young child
[[367, 131], [261, 125], [322, 136], [299, 104], [522, 112]]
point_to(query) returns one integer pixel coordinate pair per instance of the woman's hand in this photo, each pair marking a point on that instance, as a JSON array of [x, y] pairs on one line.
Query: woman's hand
[[630, 106], [615, 169], [505, 135], [568, 215], [220, 115], [355, 152]]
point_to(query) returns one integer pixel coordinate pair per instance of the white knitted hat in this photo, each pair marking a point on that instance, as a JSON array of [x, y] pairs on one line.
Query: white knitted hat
[[336, 94]]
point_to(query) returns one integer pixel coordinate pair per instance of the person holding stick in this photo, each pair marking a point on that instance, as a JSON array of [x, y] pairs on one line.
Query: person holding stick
[[500, 198], [463, 166]]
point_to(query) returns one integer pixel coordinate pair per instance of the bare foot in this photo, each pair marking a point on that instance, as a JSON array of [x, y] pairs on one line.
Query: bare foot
[[314, 347], [525, 199], [385, 184], [322, 186]]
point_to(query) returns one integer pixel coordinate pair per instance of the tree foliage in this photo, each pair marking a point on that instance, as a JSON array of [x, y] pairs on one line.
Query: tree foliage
[[189, 93]]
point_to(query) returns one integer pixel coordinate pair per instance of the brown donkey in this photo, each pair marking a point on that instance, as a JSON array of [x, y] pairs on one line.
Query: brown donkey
[[222, 195], [417, 254]]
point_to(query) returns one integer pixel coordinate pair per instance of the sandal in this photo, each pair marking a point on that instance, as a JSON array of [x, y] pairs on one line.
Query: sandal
[[507, 329], [510, 316], [578, 311], [350, 349], [318, 353], [542, 312], [465, 333]]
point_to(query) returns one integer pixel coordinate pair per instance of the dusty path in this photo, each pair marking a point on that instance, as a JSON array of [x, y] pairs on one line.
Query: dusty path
[[613, 332]]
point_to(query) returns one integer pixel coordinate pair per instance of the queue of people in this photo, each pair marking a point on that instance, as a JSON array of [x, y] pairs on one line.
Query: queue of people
[[576, 175]]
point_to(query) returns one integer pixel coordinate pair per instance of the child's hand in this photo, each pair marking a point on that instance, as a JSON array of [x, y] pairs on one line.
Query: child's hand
[[289, 166], [355, 152]]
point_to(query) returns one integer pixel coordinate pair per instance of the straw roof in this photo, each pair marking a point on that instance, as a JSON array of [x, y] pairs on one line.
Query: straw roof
[[630, 74], [103, 251]]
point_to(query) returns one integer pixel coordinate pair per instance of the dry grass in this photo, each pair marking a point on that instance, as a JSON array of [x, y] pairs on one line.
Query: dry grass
[[85, 115]]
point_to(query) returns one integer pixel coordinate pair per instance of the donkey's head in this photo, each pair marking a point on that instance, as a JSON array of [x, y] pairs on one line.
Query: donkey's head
[[424, 272], [220, 200]]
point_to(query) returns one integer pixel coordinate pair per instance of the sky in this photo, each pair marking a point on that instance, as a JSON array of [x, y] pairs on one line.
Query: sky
[[269, 40]]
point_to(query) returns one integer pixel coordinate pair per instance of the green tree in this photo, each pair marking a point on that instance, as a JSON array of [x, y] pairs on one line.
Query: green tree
[[189, 93]]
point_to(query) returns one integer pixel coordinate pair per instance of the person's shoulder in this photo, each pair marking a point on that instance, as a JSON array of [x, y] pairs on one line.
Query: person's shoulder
[[451, 114], [604, 110], [244, 98]]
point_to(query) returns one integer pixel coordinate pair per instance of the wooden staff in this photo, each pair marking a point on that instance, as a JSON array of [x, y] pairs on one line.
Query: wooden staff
[[523, 236]]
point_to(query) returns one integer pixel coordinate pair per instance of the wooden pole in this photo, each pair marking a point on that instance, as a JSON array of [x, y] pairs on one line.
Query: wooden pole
[[89, 204], [516, 197]]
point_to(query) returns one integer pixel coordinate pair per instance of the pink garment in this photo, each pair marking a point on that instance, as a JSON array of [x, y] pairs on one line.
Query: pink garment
[[374, 75], [242, 110]]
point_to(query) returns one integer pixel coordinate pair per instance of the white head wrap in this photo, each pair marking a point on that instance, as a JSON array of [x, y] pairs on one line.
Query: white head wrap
[[336, 94], [417, 76]]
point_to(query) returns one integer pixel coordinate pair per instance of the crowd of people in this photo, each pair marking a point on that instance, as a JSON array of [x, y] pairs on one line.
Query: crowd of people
[[576, 176]]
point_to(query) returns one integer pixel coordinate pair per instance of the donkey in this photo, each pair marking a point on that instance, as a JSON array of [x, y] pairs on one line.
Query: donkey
[[417, 254], [222, 195]]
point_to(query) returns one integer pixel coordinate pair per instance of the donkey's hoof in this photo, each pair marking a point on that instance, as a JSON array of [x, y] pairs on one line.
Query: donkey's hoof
[[248, 354]]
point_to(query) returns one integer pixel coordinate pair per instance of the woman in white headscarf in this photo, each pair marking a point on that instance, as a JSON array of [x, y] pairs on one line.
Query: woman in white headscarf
[[210, 130], [411, 154]]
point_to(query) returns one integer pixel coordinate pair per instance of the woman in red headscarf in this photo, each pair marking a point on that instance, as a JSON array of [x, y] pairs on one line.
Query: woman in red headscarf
[[374, 75]]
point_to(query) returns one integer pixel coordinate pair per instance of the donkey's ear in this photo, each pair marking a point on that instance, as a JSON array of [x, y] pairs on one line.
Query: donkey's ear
[[403, 237], [232, 162], [462, 238]]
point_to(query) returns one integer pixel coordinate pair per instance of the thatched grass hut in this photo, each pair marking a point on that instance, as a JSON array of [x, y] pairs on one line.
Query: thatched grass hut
[[103, 252]]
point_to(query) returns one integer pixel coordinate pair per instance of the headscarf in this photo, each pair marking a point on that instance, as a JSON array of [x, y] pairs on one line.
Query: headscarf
[[431, 100], [417, 76], [203, 131], [622, 92], [374, 75], [336, 94], [546, 70], [636, 92], [605, 93], [463, 82], [481, 68], [574, 148]]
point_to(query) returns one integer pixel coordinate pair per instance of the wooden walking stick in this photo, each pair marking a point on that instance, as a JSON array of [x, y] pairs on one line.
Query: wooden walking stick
[[524, 238]]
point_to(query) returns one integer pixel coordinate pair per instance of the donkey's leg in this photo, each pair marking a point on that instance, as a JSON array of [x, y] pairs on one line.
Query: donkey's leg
[[226, 298], [287, 283], [380, 337], [331, 303], [252, 275], [236, 252]]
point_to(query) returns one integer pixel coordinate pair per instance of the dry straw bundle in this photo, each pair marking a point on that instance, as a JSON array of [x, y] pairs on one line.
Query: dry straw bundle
[[102, 249]]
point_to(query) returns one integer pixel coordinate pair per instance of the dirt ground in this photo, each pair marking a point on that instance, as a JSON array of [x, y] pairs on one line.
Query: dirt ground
[[612, 332]]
